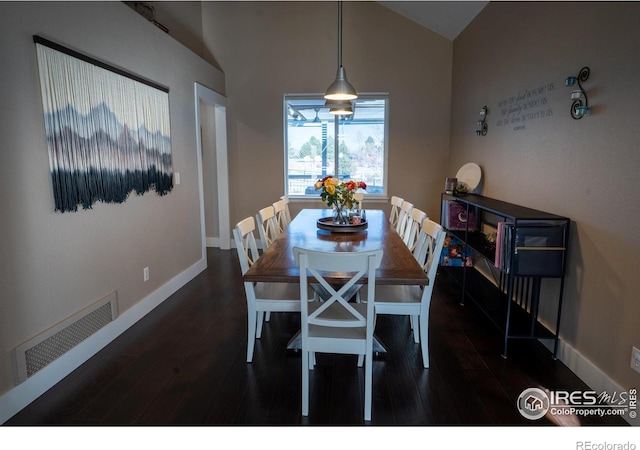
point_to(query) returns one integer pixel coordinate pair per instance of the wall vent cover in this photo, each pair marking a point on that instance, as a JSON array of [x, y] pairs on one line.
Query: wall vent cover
[[49, 345]]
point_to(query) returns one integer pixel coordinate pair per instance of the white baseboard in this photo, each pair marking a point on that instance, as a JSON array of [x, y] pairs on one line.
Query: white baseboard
[[19, 397], [591, 375], [215, 242]]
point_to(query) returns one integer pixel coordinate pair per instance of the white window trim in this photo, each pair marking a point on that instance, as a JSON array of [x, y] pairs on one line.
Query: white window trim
[[382, 197]]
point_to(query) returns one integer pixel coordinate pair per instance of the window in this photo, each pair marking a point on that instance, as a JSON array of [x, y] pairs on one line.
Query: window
[[318, 143]]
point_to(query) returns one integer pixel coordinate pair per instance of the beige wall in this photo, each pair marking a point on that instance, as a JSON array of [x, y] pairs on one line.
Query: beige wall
[[585, 169], [267, 49], [55, 264], [184, 22]]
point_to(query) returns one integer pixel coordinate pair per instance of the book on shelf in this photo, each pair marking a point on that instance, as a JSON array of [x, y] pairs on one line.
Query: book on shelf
[[455, 253], [457, 218]]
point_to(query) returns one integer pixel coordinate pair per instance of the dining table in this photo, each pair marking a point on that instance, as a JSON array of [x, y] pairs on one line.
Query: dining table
[[397, 266]]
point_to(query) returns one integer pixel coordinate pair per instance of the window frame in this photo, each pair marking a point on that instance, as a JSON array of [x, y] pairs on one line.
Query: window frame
[[319, 96]]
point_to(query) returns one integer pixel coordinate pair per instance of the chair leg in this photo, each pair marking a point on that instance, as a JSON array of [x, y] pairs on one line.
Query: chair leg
[[312, 360], [251, 334], [424, 336], [360, 360], [416, 328], [267, 316], [305, 381], [368, 377], [259, 325]]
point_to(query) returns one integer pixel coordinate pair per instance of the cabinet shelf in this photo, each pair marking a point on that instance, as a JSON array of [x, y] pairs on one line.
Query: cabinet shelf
[[531, 245], [493, 303], [478, 242]]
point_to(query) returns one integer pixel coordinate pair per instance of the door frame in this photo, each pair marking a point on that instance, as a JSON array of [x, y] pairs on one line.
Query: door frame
[[219, 104]]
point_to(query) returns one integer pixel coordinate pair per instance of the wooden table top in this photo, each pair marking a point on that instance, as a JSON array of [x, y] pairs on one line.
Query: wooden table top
[[398, 265]]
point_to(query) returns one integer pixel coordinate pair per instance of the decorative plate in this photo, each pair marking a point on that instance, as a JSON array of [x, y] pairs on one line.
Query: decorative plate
[[471, 175]]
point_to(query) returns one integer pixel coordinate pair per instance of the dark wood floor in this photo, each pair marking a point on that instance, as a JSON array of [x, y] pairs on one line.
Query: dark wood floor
[[184, 364]]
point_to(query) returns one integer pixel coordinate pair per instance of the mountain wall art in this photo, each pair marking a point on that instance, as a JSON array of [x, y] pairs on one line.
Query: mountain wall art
[[108, 132]]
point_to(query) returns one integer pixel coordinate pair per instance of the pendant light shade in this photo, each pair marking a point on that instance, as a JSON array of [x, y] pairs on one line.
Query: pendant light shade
[[340, 89], [339, 107]]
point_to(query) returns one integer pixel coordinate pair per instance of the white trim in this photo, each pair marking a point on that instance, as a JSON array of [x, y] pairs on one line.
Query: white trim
[[588, 372], [203, 231], [19, 397], [592, 375], [219, 102], [223, 175]]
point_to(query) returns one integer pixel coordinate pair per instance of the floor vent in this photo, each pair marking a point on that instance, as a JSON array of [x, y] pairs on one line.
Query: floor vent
[[49, 345]]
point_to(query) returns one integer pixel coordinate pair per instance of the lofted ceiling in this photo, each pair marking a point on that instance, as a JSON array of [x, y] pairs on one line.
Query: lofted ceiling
[[447, 18]]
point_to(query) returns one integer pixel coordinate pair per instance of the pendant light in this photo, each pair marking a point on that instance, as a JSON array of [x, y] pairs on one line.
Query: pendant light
[[339, 107], [340, 89]]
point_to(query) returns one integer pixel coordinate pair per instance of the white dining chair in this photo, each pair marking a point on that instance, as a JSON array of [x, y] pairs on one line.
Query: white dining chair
[[396, 204], [334, 325], [403, 217], [268, 226], [287, 210], [359, 196], [414, 301], [413, 227], [261, 297], [280, 211]]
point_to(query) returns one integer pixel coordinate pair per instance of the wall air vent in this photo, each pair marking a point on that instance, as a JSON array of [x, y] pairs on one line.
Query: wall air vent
[[49, 345]]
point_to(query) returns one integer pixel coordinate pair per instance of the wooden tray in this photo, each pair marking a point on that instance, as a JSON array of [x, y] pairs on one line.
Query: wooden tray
[[326, 223]]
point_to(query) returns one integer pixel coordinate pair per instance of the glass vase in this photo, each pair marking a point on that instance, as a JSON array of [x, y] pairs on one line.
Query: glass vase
[[340, 214]]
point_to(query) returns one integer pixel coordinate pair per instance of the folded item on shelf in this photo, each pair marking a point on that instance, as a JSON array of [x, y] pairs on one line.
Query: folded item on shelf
[[455, 253]]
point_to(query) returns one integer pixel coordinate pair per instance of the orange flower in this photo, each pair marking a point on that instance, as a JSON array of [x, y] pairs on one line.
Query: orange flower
[[333, 192]]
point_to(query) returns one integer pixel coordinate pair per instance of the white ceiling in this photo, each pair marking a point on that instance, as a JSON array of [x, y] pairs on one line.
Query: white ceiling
[[447, 18]]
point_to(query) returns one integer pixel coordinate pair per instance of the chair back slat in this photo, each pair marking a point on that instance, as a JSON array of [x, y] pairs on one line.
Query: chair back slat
[[268, 226], [246, 243], [413, 227], [403, 219], [314, 267], [280, 211], [287, 211], [396, 203]]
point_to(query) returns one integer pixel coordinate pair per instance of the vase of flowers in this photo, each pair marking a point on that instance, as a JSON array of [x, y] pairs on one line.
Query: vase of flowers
[[339, 195]]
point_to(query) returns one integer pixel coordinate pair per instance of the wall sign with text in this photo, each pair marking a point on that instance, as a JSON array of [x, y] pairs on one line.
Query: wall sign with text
[[516, 111]]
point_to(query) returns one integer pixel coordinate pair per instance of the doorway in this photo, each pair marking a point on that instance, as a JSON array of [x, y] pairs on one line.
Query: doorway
[[213, 170]]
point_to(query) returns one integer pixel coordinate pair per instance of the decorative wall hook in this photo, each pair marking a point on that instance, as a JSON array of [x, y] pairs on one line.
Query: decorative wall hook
[[580, 105], [482, 123]]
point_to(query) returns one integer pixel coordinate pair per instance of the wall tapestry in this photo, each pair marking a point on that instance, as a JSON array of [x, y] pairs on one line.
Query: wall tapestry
[[108, 131]]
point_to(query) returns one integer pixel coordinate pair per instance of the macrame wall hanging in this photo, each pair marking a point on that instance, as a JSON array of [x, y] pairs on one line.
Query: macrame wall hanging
[[108, 131]]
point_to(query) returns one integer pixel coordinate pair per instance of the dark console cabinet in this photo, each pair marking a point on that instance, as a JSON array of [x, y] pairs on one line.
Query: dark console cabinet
[[508, 249]]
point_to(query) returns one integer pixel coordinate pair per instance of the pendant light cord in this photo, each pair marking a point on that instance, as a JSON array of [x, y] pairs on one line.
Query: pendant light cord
[[339, 34]]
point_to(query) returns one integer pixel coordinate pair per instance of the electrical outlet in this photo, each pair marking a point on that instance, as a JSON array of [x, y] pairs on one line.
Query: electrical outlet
[[176, 178], [635, 359], [145, 274]]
